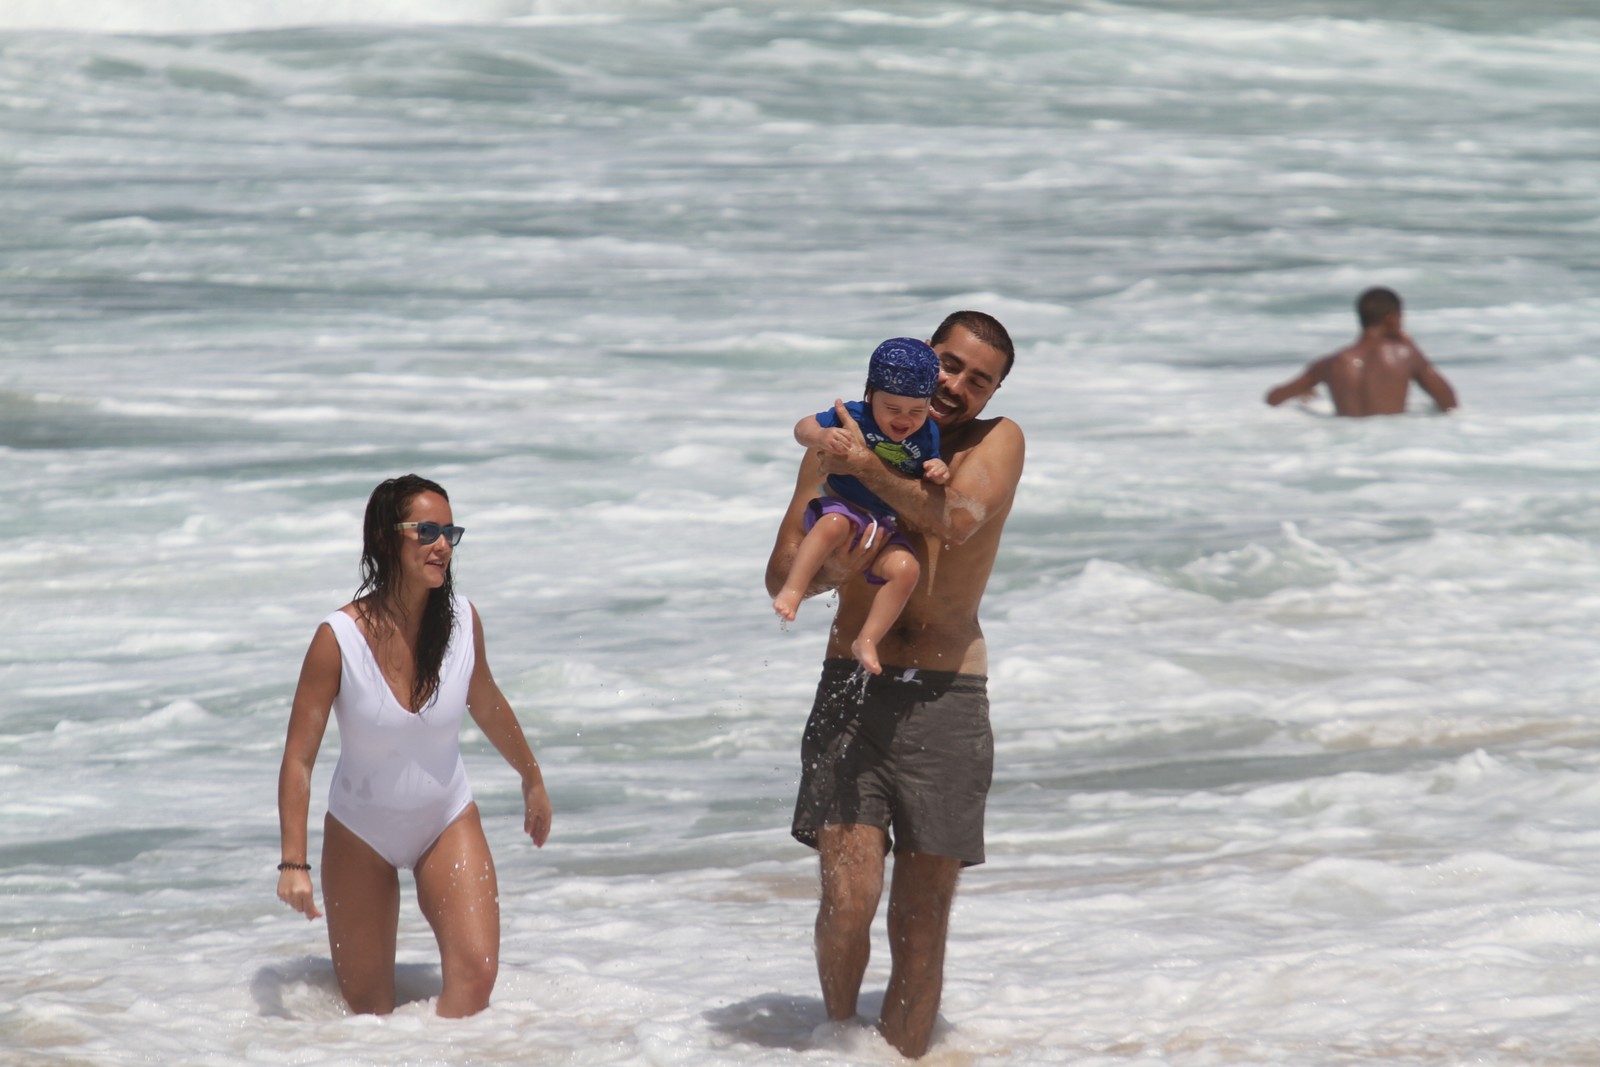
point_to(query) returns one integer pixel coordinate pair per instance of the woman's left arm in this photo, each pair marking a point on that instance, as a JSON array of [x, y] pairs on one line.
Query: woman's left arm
[[493, 714]]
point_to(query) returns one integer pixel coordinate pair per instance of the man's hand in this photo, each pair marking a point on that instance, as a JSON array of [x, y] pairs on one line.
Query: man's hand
[[838, 440], [846, 563], [855, 456], [816, 437]]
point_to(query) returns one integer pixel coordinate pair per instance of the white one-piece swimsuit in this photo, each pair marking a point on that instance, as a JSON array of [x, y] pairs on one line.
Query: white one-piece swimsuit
[[400, 781]]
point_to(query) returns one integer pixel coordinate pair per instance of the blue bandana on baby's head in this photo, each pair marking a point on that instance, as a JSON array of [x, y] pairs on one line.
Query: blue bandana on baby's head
[[904, 366]]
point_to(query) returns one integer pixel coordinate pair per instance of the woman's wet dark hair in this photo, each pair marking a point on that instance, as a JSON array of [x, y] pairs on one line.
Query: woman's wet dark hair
[[380, 573]]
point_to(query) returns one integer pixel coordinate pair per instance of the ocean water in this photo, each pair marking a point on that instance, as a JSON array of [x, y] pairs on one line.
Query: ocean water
[[1298, 761]]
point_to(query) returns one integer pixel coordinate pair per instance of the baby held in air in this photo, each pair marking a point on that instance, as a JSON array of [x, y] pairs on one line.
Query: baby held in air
[[893, 419]]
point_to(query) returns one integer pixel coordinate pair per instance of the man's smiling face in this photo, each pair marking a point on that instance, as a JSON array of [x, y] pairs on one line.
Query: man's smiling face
[[969, 374]]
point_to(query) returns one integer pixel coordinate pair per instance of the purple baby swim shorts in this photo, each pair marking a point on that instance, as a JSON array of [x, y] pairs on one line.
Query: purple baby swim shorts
[[860, 519]]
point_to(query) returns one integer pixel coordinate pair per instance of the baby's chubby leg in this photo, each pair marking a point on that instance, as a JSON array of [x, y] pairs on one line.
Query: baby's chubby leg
[[899, 569], [830, 534]]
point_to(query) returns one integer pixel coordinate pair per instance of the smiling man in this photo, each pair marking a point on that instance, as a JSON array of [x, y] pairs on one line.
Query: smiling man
[[905, 762]]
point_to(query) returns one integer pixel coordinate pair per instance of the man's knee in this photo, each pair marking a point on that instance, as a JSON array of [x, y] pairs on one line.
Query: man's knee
[[851, 869], [850, 899]]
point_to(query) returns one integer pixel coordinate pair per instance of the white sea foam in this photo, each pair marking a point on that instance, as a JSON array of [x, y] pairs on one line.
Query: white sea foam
[[188, 16]]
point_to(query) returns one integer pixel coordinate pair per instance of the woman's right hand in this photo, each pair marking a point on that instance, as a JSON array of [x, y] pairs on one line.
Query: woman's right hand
[[294, 889]]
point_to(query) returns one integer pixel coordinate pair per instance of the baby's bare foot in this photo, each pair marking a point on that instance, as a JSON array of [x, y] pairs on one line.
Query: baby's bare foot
[[787, 604], [867, 653]]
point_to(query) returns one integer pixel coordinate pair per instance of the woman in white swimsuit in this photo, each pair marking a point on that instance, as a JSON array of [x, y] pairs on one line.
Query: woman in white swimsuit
[[399, 666]]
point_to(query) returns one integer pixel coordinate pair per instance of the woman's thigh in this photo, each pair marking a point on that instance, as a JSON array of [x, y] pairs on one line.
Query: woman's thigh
[[361, 896], [460, 897]]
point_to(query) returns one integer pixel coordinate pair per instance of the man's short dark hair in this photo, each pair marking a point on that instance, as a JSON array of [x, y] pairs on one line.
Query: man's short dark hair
[[1375, 305], [985, 328]]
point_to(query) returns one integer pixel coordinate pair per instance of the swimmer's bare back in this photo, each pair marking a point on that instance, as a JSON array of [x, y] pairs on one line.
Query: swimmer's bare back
[[1371, 377]]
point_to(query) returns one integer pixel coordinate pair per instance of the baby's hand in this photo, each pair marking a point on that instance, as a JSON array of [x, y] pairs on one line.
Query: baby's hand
[[837, 441], [936, 471]]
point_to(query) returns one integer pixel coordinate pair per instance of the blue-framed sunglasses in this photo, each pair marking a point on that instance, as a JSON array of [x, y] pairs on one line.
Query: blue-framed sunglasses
[[429, 532]]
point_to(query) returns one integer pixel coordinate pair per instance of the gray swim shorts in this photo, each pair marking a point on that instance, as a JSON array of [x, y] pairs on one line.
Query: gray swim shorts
[[912, 755]]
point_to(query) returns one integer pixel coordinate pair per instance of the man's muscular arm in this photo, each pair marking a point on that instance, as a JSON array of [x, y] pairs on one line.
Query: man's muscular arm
[[977, 490]]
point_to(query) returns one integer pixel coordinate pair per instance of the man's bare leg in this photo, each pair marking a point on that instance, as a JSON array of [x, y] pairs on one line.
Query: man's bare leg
[[852, 882], [920, 896]]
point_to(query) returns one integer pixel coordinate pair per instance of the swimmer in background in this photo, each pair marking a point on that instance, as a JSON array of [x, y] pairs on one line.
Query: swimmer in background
[[1373, 375], [901, 378]]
